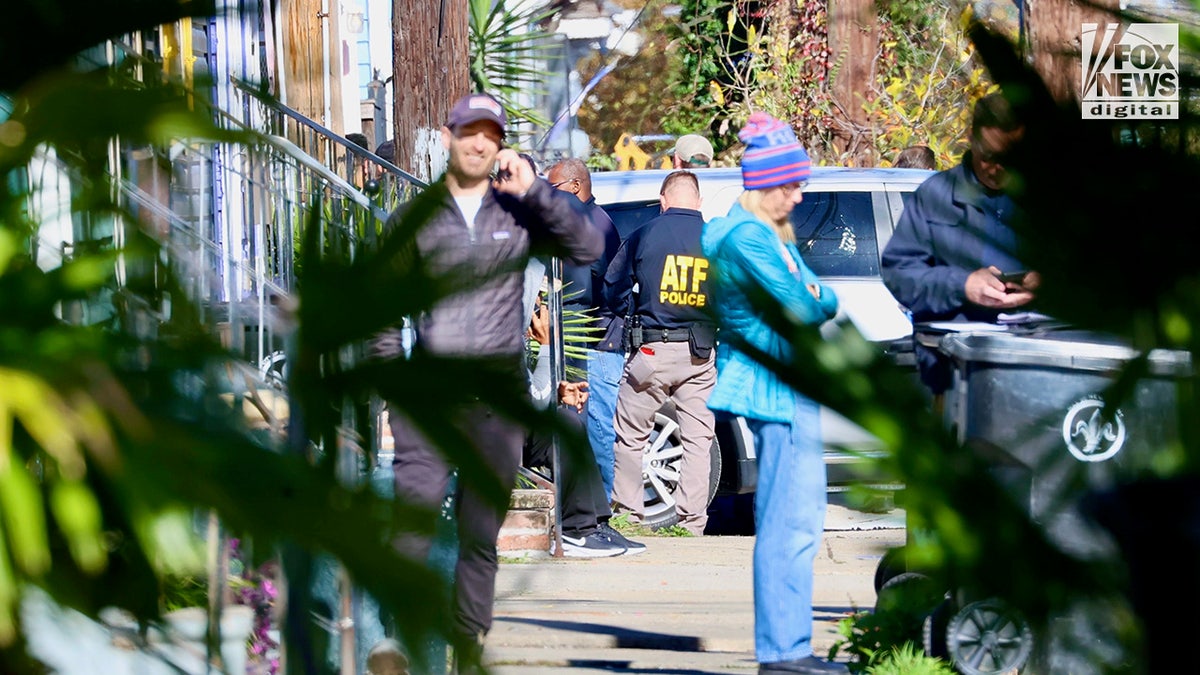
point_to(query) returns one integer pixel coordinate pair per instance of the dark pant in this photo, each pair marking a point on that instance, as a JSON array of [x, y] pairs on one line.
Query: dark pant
[[934, 368], [580, 489], [422, 476]]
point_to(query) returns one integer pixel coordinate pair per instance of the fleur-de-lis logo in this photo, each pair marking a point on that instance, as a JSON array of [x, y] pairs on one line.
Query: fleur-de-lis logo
[[1088, 435]]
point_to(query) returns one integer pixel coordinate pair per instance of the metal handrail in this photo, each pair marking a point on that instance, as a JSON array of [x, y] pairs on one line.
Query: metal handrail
[[180, 227], [307, 160], [304, 120], [230, 218]]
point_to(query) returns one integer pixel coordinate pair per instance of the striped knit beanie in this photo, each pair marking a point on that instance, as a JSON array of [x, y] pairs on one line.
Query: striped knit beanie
[[773, 155]]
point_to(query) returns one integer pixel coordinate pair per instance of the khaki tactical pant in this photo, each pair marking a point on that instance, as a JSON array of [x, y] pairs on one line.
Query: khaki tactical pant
[[669, 372]]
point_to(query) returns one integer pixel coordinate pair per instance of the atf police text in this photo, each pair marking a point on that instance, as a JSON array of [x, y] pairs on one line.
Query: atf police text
[[681, 278]]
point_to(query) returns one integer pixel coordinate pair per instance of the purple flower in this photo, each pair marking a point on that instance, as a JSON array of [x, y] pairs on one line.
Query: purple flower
[[256, 589]]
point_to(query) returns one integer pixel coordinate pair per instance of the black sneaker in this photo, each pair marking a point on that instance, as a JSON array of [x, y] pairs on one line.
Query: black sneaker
[[631, 547], [468, 654], [593, 545]]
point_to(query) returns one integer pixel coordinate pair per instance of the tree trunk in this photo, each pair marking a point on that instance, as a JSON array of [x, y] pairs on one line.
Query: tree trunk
[[430, 52], [1054, 32], [853, 42]]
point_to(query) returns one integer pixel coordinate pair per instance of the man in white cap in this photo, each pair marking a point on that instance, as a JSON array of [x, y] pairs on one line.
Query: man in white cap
[[692, 152]]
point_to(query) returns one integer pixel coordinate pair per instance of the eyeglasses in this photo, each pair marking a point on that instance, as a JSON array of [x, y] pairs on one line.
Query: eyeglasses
[[563, 182], [989, 156], [790, 188]]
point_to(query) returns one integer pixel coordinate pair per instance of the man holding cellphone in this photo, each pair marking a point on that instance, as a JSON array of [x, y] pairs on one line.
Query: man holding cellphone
[[490, 212], [954, 252]]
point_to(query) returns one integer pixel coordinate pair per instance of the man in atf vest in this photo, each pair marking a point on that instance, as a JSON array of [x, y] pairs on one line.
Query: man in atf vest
[[671, 355]]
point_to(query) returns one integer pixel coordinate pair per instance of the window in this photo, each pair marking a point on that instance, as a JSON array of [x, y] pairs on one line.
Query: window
[[629, 216], [835, 232]]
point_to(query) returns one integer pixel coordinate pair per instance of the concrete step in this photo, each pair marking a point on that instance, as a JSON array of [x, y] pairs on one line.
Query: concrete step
[[526, 528]]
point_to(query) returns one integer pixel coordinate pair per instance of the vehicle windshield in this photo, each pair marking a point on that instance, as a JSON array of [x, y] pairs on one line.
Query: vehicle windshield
[[835, 232]]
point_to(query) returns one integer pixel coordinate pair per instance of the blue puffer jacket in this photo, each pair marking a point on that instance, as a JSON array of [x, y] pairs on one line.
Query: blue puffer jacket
[[744, 254]]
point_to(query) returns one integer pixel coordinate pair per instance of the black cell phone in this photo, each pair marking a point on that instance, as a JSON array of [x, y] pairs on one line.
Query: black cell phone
[[1013, 277], [503, 175]]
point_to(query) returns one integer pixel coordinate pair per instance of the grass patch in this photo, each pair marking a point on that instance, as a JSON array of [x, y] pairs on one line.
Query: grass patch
[[907, 659], [623, 525], [521, 558]]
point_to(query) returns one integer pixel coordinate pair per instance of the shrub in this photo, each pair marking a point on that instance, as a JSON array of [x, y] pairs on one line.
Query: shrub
[[907, 659]]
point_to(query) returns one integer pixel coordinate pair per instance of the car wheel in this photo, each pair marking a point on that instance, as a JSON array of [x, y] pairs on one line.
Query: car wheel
[[891, 565], [660, 470], [906, 599], [274, 370]]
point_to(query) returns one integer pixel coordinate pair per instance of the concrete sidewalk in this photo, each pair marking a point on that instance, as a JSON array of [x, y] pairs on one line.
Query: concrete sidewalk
[[685, 606]]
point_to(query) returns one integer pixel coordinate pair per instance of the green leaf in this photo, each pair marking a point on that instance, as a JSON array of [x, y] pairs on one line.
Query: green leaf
[[78, 514], [24, 518]]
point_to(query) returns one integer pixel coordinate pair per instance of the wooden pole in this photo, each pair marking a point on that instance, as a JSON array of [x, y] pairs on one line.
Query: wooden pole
[[337, 116], [1054, 40], [303, 81], [430, 62], [853, 42]]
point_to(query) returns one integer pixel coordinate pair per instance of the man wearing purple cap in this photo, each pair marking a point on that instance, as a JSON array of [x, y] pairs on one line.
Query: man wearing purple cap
[[488, 228], [753, 253]]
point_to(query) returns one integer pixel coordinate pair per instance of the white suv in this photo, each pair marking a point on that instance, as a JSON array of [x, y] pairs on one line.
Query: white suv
[[842, 225]]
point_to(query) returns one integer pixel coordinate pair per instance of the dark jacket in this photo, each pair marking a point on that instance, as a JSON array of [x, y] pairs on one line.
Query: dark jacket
[[950, 227], [665, 260], [487, 319], [585, 284], [941, 238]]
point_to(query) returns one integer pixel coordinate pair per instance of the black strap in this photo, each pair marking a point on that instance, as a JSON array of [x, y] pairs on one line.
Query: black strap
[[665, 335]]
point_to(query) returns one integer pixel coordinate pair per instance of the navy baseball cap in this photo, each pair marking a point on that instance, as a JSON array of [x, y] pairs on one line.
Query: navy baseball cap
[[473, 108]]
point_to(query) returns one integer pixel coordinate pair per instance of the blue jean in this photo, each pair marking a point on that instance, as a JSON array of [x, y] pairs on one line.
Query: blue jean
[[789, 515], [604, 379]]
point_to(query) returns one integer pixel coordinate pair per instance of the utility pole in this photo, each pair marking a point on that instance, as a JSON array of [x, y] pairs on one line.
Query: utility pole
[[430, 62], [854, 41]]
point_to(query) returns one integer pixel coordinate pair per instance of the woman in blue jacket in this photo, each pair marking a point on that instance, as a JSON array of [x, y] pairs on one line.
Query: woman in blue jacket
[[752, 251]]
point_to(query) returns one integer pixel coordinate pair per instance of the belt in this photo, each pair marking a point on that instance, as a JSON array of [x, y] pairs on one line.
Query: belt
[[665, 335]]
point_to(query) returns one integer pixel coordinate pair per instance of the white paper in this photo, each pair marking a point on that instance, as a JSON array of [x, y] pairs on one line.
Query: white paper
[[967, 326], [1023, 317]]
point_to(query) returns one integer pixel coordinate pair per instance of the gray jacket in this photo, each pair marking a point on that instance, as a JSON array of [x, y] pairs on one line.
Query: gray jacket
[[485, 317]]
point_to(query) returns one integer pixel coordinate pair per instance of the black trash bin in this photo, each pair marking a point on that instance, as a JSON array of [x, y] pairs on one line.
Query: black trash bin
[[1039, 401], [1035, 404]]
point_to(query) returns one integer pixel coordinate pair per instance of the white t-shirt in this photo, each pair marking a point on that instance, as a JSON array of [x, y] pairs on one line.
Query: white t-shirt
[[469, 207]]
